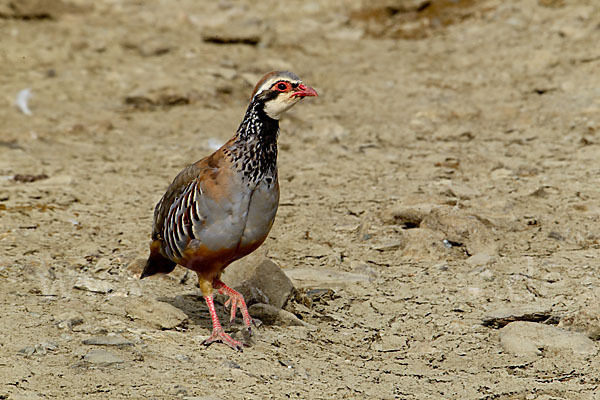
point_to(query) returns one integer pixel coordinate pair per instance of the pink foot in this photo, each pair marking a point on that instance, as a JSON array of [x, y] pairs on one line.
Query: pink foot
[[237, 301], [219, 334]]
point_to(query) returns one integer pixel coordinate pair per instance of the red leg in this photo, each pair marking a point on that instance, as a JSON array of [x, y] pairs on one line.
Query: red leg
[[218, 333], [236, 300]]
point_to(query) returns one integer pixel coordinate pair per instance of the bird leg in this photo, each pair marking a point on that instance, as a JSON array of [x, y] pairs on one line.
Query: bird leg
[[237, 300], [218, 334]]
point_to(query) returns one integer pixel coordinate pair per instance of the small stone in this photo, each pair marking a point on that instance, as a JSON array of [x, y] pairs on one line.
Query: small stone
[[68, 320], [27, 351], [117, 341], [530, 338], [274, 316], [183, 358], [103, 265], [102, 358], [93, 285], [480, 259], [364, 269], [159, 314], [260, 282]]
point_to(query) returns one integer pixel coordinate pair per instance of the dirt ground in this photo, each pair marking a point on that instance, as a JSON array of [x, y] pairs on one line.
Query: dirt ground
[[447, 170]]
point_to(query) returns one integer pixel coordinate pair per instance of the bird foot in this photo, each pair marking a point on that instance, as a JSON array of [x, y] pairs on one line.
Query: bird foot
[[219, 335], [236, 300]]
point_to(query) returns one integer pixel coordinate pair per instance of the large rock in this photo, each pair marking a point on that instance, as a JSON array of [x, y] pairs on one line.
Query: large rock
[[531, 339], [259, 281], [159, 314]]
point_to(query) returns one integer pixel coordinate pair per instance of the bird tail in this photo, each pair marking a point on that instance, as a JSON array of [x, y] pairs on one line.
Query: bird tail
[[157, 263]]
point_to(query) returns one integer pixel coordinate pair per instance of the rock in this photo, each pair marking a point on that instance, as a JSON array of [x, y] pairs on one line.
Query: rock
[[260, 282], [480, 259], [274, 316], [364, 269], [458, 227], [117, 341], [585, 320], [159, 314], [530, 338], [103, 265], [102, 358], [501, 317], [93, 285], [69, 319], [39, 349], [323, 278]]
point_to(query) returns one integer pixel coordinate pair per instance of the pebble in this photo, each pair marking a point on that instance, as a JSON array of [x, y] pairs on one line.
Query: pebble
[[93, 285], [260, 282], [39, 349], [480, 259], [529, 338], [117, 341], [102, 358], [69, 319], [159, 314], [274, 316]]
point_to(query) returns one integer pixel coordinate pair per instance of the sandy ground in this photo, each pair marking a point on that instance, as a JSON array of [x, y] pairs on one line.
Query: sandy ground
[[449, 169]]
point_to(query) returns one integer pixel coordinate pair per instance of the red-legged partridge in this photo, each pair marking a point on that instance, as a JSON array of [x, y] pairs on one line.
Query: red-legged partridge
[[222, 207]]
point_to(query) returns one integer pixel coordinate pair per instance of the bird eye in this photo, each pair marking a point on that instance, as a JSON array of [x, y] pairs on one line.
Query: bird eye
[[281, 86]]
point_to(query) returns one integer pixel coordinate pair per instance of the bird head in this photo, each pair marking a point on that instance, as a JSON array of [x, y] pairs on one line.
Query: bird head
[[279, 91]]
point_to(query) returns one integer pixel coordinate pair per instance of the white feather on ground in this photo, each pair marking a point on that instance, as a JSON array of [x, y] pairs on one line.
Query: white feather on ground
[[22, 99]]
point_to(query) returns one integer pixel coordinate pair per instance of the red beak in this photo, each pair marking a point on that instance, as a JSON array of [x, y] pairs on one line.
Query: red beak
[[305, 91]]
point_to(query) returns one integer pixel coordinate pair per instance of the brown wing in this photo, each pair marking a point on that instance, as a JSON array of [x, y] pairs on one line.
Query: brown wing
[[181, 181], [207, 165]]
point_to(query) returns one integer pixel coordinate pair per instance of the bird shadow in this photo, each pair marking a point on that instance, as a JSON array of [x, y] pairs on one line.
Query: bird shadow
[[194, 306]]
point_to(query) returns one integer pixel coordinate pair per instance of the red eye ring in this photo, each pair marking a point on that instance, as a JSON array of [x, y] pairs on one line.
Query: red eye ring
[[282, 86]]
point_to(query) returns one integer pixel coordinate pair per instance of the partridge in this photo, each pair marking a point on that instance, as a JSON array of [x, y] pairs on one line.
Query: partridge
[[222, 207]]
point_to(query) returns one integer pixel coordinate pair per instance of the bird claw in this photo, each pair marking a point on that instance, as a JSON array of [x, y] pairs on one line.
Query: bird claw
[[219, 335], [236, 300]]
